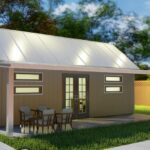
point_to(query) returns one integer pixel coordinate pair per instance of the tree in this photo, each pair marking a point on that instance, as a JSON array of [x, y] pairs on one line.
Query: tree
[[143, 77], [70, 26], [26, 15], [52, 4], [79, 24], [135, 43]]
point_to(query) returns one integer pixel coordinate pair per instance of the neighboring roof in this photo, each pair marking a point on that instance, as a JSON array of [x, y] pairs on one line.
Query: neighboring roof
[[32, 48]]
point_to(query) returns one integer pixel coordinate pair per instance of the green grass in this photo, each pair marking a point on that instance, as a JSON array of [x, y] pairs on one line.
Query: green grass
[[89, 139], [142, 109]]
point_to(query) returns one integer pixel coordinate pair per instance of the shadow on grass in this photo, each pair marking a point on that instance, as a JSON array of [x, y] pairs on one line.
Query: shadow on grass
[[89, 139], [101, 137]]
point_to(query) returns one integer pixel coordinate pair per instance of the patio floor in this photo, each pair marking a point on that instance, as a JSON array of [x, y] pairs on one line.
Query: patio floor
[[106, 121], [89, 123]]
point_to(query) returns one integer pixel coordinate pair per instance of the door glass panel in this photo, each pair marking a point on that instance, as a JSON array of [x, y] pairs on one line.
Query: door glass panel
[[69, 84], [71, 88], [67, 80], [82, 94], [67, 88]]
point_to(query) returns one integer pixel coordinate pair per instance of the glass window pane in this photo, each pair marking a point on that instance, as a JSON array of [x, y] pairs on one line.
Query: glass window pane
[[80, 88], [83, 81], [28, 76], [71, 95], [71, 88], [71, 81], [68, 103], [67, 80], [28, 90], [113, 78], [67, 96], [113, 89], [84, 88], [67, 88], [80, 95], [80, 81]]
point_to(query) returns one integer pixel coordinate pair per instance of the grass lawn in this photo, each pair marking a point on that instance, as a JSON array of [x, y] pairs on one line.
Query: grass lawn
[[142, 109], [86, 139]]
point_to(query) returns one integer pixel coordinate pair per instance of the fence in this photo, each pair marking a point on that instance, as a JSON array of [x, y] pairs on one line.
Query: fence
[[142, 93]]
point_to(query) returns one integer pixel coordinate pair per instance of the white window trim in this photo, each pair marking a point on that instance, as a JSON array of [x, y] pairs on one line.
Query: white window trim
[[113, 76], [112, 91], [28, 72], [28, 94]]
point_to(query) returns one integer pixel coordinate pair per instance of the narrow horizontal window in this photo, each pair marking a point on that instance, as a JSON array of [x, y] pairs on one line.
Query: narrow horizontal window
[[113, 89], [113, 78], [28, 90], [28, 76]]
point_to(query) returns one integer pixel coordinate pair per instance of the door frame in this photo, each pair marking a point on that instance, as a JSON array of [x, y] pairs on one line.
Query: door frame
[[76, 76]]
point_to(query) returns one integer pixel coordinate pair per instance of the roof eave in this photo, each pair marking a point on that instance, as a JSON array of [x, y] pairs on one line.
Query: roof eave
[[77, 68]]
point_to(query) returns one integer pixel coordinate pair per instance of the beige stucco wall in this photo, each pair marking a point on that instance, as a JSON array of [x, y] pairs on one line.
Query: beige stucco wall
[[100, 103], [103, 104], [142, 93]]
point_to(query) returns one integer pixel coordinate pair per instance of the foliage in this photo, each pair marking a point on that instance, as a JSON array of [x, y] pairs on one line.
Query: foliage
[[52, 4], [142, 77], [89, 139], [142, 109], [71, 26], [27, 16]]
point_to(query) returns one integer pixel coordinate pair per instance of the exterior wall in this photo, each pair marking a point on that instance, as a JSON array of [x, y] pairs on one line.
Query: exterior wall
[[142, 92], [3, 79], [100, 103], [104, 104]]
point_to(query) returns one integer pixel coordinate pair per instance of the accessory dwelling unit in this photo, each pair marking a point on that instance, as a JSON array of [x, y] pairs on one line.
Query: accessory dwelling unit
[[94, 79]]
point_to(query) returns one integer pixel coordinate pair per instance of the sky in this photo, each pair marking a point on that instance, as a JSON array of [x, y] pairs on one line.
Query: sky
[[141, 7]]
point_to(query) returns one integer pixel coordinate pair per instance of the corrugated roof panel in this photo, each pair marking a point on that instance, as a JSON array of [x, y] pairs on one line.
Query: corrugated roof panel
[[39, 48], [25, 47], [122, 60], [56, 48], [9, 47]]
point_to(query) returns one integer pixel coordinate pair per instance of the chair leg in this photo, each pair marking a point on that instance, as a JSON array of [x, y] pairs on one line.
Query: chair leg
[[24, 127], [47, 129], [42, 129]]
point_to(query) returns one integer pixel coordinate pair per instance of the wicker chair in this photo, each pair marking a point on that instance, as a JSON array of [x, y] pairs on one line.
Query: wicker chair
[[46, 120], [27, 117], [40, 110], [64, 118]]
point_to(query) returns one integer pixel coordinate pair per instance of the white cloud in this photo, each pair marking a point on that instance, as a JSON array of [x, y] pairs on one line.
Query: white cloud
[[62, 8], [90, 9]]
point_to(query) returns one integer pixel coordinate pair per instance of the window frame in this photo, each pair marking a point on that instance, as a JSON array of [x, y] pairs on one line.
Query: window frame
[[113, 92], [29, 86], [121, 77], [29, 80]]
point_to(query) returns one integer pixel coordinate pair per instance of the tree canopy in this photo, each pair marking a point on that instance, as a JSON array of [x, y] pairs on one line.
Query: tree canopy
[[98, 20]]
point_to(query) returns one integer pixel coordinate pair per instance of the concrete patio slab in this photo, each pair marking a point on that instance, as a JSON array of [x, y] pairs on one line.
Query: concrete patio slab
[[5, 147], [107, 121], [136, 146], [87, 123]]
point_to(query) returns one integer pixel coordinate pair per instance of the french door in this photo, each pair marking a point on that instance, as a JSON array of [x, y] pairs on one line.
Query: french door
[[76, 94]]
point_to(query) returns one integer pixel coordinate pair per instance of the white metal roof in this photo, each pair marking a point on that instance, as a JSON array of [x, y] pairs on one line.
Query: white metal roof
[[32, 48]]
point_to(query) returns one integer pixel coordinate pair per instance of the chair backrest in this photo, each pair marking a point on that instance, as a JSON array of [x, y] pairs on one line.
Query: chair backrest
[[67, 110], [26, 110], [42, 107], [67, 115], [48, 115]]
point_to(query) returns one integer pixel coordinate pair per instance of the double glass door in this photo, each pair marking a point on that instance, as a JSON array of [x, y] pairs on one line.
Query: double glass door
[[76, 90]]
